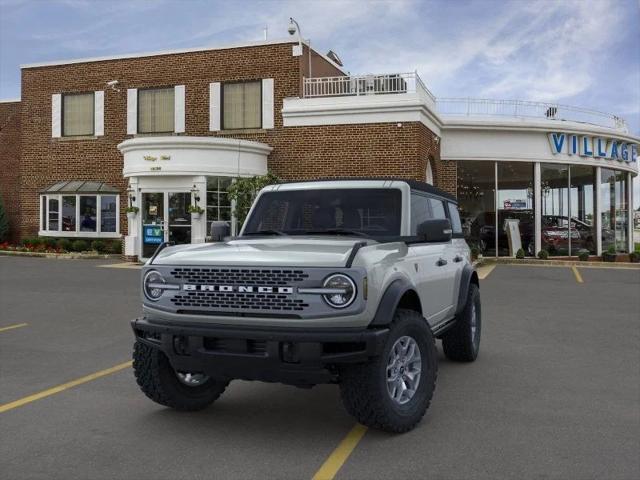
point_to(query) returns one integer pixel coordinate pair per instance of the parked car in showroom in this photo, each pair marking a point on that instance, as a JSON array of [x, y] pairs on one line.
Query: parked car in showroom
[[347, 282]]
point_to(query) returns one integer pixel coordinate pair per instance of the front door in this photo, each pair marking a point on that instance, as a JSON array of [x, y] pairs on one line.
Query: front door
[[164, 219]]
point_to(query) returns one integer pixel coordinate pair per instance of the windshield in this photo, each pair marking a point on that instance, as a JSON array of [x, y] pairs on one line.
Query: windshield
[[367, 212]]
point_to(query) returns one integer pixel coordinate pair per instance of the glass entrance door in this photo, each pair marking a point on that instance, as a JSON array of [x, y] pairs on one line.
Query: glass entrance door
[[164, 219], [179, 218]]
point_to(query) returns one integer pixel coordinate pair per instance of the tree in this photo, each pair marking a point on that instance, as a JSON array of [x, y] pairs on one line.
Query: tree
[[244, 190], [4, 223]]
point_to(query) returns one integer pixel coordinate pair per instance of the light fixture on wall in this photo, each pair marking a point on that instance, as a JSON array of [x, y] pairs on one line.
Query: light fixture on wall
[[196, 194], [132, 197], [294, 28]]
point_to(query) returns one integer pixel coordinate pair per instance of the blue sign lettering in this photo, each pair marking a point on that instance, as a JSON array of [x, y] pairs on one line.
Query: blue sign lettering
[[153, 234]]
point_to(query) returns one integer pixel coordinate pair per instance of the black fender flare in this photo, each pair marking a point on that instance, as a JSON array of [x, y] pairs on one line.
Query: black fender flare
[[389, 301], [468, 277]]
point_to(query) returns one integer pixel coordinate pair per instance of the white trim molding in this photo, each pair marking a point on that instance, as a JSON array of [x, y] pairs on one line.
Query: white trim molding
[[183, 155], [397, 108]]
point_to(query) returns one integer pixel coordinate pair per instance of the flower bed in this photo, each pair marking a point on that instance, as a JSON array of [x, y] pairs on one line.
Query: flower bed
[[45, 245]]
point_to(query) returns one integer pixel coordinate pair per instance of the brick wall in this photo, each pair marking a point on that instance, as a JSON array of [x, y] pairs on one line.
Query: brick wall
[[298, 152], [10, 163], [47, 160]]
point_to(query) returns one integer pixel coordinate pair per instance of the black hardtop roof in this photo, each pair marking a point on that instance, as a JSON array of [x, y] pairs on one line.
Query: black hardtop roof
[[413, 184]]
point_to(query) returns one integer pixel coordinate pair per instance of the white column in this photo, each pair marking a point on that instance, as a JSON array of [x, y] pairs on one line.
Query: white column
[[199, 227], [132, 241], [537, 201], [598, 212], [630, 212]]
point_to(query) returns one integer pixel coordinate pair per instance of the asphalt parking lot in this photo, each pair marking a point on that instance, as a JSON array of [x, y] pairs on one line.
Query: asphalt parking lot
[[555, 392]]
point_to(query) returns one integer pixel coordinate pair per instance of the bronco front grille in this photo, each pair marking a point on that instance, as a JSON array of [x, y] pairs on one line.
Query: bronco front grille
[[239, 301], [237, 276]]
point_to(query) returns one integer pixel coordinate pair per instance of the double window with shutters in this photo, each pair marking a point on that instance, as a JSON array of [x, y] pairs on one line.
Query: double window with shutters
[[244, 105]]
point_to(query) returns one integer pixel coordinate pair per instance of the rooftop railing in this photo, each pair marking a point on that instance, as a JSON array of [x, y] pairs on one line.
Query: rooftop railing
[[356, 85], [399, 83], [478, 107]]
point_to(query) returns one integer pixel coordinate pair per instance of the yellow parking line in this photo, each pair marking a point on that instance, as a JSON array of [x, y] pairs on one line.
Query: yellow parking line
[[11, 327], [122, 265], [485, 270], [576, 273], [335, 461], [51, 391]]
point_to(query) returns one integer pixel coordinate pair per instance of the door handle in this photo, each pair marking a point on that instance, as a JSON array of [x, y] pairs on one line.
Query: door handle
[[457, 258], [441, 262]]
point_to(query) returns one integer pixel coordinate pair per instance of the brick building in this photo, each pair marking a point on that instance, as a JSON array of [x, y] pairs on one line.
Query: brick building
[[162, 131]]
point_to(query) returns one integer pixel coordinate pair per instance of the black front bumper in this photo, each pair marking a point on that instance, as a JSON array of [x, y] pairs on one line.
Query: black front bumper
[[290, 356]]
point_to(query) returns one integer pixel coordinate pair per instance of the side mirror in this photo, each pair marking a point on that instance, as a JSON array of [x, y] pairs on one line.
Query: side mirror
[[437, 230], [220, 230]]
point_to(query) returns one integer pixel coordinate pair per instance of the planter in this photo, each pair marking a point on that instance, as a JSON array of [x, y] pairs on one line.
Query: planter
[[195, 216], [609, 257], [634, 257], [131, 216]]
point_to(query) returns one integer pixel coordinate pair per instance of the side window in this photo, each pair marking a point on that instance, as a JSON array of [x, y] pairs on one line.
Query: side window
[[437, 209], [454, 215], [419, 211]]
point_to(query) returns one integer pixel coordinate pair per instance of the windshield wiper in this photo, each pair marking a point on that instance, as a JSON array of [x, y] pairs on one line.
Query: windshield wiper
[[264, 232], [337, 231]]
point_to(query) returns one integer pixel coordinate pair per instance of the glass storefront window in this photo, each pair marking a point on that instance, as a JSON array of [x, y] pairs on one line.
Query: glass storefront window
[[554, 187], [88, 214], [614, 210], [515, 203], [54, 213], [69, 213], [476, 197], [582, 207], [218, 202], [108, 213]]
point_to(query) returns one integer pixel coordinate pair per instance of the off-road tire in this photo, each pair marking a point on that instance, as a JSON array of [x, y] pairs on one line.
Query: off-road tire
[[158, 380], [363, 387], [459, 343]]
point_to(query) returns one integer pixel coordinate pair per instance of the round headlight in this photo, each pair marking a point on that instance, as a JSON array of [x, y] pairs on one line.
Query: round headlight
[[343, 290], [151, 287]]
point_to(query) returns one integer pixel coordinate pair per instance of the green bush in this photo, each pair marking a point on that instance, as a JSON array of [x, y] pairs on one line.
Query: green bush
[[475, 251], [49, 242], [114, 247], [99, 246], [64, 244], [634, 257], [33, 241], [244, 190], [543, 254], [520, 253], [4, 223], [79, 246], [583, 255]]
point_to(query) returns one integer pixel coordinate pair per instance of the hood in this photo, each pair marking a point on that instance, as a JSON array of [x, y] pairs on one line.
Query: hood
[[320, 251]]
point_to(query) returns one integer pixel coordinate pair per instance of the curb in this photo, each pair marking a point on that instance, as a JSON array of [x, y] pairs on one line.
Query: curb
[[62, 256], [563, 263]]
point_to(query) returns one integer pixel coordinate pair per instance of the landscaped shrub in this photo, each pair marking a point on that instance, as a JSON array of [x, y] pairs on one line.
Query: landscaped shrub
[[64, 244], [31, 242], [475, 251], [520, 253], [634, 257], [99, 246], [48, 242], [583, 255], [114, 247], [79, 246], [610, 255], [543, 254]]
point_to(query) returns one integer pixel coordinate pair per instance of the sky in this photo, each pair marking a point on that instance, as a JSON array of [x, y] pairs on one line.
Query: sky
[[576, 52]]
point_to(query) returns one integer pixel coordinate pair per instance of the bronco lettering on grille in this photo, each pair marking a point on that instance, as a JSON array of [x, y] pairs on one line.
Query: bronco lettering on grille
[[236, 288]]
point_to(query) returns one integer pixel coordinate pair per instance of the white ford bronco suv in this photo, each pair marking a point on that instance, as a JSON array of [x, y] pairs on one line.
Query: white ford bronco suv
[[333, 281]]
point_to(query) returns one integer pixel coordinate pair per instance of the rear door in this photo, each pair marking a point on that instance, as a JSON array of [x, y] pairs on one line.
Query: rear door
[[431, 275]]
